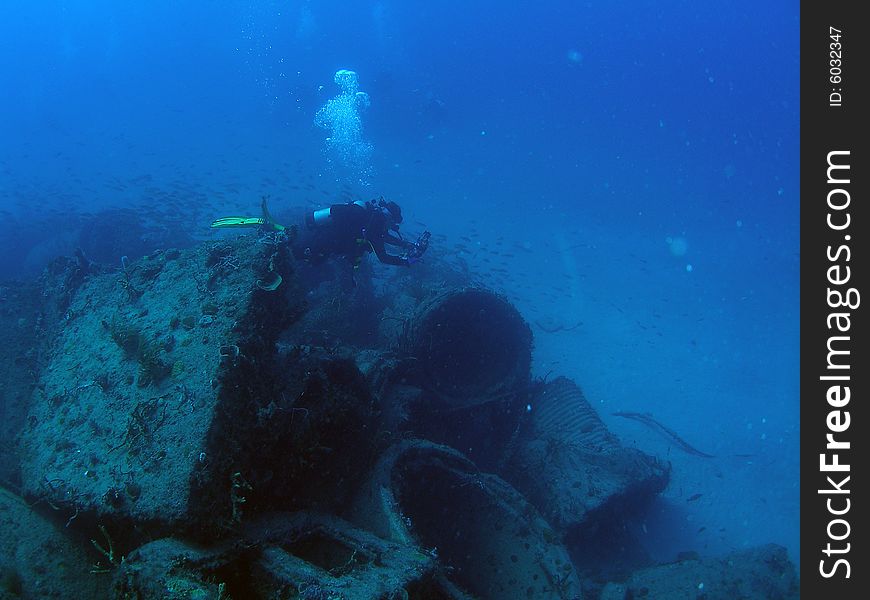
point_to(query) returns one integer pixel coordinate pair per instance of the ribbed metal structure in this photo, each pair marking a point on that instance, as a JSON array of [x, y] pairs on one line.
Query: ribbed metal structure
[[561, 411]]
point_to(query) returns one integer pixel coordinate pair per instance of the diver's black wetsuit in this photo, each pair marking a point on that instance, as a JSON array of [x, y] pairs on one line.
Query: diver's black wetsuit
[[350, 230]]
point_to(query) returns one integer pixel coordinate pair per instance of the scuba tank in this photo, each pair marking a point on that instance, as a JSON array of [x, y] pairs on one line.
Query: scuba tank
[[323, 216]]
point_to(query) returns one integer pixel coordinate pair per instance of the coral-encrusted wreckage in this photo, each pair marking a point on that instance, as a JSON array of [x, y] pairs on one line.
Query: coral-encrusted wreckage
[[200, 424]]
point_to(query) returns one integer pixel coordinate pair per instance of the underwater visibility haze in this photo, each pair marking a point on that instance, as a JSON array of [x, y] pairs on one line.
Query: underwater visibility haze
[[599, 339]]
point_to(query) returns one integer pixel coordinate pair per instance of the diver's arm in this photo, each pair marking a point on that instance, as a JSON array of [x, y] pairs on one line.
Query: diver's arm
[[388, 259], [393, 240]]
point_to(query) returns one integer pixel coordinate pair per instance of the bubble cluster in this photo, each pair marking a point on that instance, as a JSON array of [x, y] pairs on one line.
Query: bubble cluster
[[341, 117], [347, 81]]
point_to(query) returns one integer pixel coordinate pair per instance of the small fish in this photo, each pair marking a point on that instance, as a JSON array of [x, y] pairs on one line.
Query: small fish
[[693, 497]]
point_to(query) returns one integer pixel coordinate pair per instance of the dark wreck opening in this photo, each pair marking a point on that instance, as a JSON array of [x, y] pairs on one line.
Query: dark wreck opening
[[472, 344]]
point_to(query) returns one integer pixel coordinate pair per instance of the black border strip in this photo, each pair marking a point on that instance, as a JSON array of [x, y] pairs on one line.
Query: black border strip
[[833, 262]]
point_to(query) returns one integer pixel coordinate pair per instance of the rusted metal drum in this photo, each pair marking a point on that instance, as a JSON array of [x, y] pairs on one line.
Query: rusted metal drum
[[471, 345]]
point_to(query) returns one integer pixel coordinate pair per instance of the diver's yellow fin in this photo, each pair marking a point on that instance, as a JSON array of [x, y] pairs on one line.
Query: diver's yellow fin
[[239, 222], [247, 222], [264, 221]]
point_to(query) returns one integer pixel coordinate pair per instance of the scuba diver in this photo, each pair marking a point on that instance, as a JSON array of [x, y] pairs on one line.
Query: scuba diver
[[354, 229], [348, 230]]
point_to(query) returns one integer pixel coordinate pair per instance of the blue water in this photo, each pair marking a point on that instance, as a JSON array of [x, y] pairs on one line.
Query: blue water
[[630, 168]]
